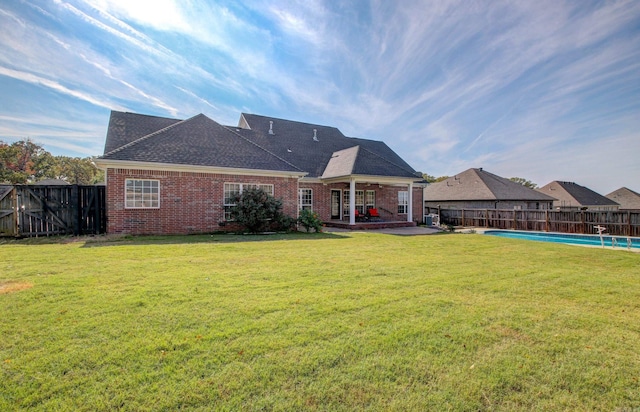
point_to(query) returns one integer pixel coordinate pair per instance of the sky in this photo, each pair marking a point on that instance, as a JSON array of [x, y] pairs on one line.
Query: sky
[[543, 90]]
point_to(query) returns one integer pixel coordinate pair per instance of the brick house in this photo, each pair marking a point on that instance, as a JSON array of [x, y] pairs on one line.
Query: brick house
[[479, 189], [179, 176], [572, 196]]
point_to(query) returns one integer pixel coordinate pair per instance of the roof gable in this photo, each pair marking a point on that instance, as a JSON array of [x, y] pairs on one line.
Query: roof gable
[[570, 193], [342, 163], [199, 141], [478, 184], [627, 198], [126, 127]]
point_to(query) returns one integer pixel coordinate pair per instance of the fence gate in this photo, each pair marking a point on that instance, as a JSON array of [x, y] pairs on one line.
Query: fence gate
[[39, 210], [8, 223]]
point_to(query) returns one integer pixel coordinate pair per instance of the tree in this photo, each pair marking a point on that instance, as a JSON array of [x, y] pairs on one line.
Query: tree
[[27, 162], [257, 210], [78, 171], [524, 182], [23, 161], [433, 179]]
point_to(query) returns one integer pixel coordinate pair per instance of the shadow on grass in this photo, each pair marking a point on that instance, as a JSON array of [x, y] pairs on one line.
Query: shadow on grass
[[117, 240]]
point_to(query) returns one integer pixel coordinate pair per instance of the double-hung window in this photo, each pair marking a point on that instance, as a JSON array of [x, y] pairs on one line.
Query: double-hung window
[[305, 199], [141, 194], [345, 203], [231, 190], [360, 201], [370, 200], [403, 202]]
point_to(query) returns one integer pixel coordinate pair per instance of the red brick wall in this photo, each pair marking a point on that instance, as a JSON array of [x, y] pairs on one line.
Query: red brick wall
[[189, 202], [386, 199]]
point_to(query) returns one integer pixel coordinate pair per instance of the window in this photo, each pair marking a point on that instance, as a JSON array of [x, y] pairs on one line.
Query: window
[[141, 194], [345, 203], [360, 201], [370, 200], [231, 190], [305, 199], [403, 202]]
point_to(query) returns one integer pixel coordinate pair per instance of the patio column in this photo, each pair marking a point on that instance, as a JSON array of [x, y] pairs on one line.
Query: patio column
[[352, 201], [410, 205]]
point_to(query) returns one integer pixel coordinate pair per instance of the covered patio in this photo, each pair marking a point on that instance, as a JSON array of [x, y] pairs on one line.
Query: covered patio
[[342, 168]]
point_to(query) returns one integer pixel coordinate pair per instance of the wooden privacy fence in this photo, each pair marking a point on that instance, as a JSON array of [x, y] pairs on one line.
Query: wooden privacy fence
[[38, 210], [618, 223]]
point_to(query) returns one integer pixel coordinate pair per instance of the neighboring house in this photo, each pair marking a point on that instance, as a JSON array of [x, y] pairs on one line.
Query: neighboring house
[[479, 189], [572, 196], [626, 198], [180, 176]]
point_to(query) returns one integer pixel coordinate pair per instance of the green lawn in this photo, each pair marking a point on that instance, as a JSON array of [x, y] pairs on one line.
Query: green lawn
[[354, 321]]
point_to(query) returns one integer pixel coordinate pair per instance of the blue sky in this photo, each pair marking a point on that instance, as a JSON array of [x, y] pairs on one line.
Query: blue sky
[[545, 90]]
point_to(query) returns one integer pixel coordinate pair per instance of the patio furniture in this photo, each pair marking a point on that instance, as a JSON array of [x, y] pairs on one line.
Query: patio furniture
[[373, 215]]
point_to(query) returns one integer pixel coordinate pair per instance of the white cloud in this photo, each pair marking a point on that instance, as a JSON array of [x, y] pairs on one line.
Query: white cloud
[[40, 81]]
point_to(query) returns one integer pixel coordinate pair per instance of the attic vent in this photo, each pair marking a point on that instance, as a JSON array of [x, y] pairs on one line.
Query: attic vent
[[271, 127], [315, 135]]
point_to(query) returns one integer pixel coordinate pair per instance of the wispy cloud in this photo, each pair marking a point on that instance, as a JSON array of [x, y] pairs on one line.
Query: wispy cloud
[[447, 84], [40, 81]]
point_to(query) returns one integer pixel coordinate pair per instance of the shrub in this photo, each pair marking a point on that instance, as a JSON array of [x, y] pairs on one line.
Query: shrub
[[309, 220], [258, 211]]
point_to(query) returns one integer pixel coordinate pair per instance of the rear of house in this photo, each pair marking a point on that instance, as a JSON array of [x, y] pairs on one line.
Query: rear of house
[[180, 176]]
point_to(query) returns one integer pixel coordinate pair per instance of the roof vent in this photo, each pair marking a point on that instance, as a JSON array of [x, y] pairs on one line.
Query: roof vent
[[271, 127], [315, 135]]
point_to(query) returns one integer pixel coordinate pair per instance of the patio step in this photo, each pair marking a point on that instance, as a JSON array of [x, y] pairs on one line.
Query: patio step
[[368, 225]]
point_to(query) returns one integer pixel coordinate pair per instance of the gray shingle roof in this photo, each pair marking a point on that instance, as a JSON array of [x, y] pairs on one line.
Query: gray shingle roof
[[126, 127], [199, 141], [203, 142], [478, 184], [572, 194], [294, 141], [627, 198]]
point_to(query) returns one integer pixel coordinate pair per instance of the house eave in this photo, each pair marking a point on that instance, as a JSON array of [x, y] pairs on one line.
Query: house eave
[[173, 167], [385, 180]]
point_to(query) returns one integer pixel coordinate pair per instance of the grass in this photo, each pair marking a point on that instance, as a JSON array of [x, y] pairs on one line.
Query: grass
[[354, 321]]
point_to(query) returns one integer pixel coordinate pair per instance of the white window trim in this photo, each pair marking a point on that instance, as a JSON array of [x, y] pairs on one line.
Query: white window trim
[[126, 200], [243, 186], [368, 205], [302, 205], [403, 202]]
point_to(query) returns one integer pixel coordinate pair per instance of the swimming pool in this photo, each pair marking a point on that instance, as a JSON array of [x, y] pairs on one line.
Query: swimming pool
[[567, 238]]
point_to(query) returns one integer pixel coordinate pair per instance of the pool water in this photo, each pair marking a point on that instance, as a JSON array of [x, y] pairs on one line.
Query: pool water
[[585, 240]]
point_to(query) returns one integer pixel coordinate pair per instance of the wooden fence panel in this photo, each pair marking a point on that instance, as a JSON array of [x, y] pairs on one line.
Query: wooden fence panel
[[618, 223], [8, 223], [39, 210]]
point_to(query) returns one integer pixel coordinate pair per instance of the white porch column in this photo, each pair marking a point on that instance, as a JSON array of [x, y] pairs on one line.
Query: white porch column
[[352, 201], [410, 205]]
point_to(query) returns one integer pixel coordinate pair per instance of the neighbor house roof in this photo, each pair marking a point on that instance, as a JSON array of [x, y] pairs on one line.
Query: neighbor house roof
[[52, 182], [258, 142], [478, 184], [627, 198], [573, 195]]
